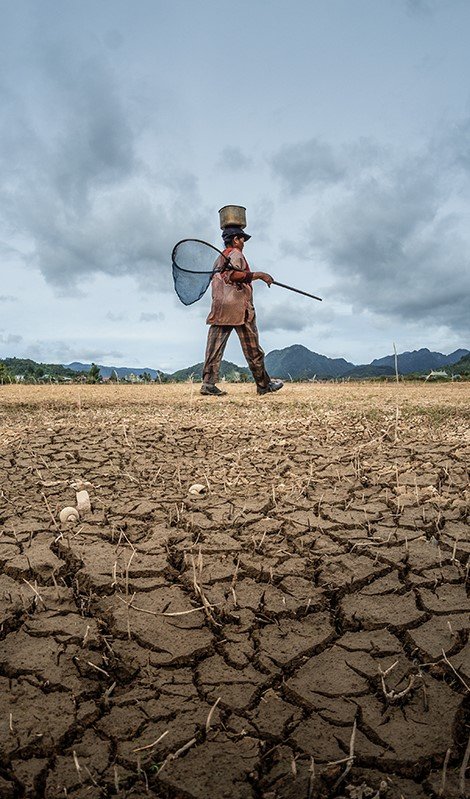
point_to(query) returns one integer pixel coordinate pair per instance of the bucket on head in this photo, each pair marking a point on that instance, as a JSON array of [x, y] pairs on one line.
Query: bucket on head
[[232, 216]]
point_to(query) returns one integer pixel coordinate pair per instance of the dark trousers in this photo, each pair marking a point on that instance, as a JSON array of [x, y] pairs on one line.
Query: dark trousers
[[217, 338]]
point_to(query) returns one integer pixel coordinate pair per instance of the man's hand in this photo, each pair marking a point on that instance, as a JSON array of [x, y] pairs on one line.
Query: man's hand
[[263, 276]]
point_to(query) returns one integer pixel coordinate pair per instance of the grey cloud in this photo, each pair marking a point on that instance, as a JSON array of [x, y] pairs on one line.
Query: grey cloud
[[51, 351], [264, 216], [125, 234], [456, 146], [393, 243], [293, 247], [99, 356], [75, 185], [233, 158], [116, 317], [59, 351], [113, 39], [307, 164], [8, 298], [6, 249], [284, 316], [420, 7], [95, 143], [73, 138], [10, 338], [152, 317]]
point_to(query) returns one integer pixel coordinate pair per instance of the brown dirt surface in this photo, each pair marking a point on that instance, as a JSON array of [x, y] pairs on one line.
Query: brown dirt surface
[[299, 629]]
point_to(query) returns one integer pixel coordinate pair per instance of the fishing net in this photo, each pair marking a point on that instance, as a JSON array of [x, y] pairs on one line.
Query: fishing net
[[193, 263]]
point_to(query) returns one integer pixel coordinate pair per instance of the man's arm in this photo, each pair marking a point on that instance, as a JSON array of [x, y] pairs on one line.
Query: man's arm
[[241, 275]]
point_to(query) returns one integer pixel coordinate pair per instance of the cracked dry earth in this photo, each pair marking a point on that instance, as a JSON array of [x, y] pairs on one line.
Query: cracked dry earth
[[298, 630]]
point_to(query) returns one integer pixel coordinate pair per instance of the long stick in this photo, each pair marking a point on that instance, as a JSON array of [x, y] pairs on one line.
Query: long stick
[[283, 285], [229, 265]]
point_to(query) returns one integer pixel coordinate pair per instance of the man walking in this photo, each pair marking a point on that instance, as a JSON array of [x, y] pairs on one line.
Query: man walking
[[232, 308]]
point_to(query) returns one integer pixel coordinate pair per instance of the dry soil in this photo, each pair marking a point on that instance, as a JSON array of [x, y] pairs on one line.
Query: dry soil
[[299, 629]]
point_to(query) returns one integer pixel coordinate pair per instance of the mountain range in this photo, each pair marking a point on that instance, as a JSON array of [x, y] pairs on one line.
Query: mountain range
[[121, 371], [299, 363], [295, 363], [420, 360]]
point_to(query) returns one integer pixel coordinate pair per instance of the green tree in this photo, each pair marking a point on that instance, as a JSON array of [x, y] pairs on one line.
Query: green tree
[[5, 374], [94, 374]]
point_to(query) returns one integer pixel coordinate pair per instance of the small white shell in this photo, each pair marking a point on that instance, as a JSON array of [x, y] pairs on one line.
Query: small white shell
[[69, 515], [197, 490], [83, 501]]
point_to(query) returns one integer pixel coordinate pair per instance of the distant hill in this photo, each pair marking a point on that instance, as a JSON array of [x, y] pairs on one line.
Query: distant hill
[[298, 362], [462, 367], [28, 368], [121, 371], [366, 370], [422, 360], [226, 369]]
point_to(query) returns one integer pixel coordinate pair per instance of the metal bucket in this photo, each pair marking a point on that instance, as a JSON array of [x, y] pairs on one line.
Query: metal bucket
[[232, 216]]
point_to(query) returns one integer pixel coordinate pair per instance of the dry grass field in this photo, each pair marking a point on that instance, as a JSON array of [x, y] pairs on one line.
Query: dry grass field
[[298, 629]]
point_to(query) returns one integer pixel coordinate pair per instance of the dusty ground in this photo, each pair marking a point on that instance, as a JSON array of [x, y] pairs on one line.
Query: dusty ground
[[301, 630]]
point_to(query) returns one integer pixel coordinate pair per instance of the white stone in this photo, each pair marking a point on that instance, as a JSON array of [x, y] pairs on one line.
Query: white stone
[[83, 501]]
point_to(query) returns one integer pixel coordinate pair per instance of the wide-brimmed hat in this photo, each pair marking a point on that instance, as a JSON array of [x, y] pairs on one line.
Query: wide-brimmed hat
[[229, 233]]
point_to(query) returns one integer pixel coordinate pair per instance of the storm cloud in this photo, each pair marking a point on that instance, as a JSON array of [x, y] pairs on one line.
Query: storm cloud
[[307, 164], [285, 316], [78, 193], [10, 338], [233, 158], [420, 7], [152, 317], [65, 352], [393, 231], [116, 317]]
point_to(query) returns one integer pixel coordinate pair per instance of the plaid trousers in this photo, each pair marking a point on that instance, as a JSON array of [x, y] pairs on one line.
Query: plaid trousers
[[217, 338]]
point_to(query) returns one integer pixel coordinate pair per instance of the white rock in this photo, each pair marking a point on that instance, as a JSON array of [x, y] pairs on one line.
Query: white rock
[[69, 515], [83, 501]]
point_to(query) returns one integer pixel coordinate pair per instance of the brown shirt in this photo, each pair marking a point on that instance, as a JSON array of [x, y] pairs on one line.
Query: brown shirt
[[232, 303]]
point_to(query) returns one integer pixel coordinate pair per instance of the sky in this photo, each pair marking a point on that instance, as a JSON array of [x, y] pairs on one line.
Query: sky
[[343, 127]]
